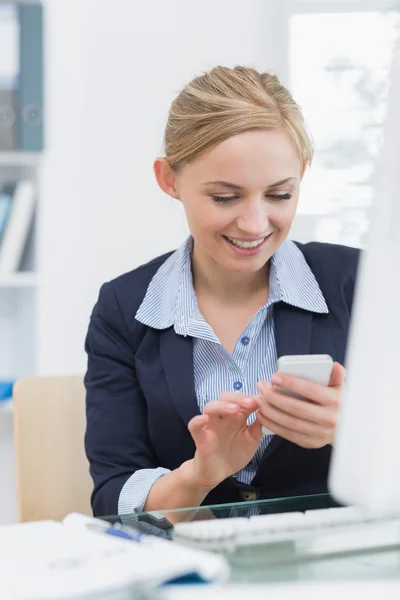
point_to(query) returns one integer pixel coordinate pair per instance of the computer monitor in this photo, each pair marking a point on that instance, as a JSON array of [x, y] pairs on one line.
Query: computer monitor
[[365, 466]]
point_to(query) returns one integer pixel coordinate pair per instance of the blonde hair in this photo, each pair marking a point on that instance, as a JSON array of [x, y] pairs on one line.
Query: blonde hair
[[224, 102]]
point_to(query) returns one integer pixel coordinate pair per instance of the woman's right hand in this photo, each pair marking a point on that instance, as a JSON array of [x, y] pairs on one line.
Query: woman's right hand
[[225, 443]]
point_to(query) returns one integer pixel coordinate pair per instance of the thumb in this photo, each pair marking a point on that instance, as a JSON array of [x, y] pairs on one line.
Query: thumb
[[338, 375], [248, 404], [256, 430], [197, 429]]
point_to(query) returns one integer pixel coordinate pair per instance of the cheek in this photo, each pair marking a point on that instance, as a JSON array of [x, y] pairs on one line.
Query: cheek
[[282, 216], [207, 217]]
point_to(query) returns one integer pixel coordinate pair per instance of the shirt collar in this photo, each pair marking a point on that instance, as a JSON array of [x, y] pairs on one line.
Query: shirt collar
[[292, 281], [170, 299]]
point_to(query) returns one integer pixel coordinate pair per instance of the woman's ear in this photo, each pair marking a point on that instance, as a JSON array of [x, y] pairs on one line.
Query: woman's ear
[[303, 170], [166, 178]]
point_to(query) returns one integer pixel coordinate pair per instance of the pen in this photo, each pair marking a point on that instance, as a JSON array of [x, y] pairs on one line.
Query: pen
[[127, 533]]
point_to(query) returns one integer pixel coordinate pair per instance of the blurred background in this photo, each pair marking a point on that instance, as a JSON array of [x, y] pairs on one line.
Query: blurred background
[[85, 88]]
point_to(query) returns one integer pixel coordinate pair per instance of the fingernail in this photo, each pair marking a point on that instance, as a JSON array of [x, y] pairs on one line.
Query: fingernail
[[232, 406], [247, 401], [262, 386], [277, 380]]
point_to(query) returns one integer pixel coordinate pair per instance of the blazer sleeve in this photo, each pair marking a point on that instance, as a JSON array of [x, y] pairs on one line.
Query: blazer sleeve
[[117, 441]]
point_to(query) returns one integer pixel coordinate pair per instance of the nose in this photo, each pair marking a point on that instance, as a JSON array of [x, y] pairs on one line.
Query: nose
[[253, 219]]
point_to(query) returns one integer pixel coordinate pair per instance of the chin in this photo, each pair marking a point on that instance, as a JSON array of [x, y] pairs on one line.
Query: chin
[[245, 266]]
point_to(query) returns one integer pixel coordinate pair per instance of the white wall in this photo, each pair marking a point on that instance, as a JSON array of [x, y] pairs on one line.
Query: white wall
[[113, 67]]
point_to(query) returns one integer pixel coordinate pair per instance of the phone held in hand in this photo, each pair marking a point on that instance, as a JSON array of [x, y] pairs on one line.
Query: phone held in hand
[[313, 367]]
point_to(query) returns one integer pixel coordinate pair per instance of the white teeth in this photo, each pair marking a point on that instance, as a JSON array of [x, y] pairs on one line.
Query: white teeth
[[246, 244]]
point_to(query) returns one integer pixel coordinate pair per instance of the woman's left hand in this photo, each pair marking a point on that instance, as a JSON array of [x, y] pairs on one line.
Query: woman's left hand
[[308, 424]]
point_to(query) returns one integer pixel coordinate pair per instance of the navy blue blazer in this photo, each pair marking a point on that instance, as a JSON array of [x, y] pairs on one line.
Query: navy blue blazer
[[140, 385]]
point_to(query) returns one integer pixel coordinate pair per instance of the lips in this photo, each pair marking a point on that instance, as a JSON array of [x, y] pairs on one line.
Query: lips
[[242, 250], [246, 244]]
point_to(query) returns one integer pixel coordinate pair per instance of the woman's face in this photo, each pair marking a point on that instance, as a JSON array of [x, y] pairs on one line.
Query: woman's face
[[240, 198]]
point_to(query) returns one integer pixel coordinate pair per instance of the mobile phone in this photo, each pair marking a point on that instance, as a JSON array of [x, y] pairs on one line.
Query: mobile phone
[[313, 367]]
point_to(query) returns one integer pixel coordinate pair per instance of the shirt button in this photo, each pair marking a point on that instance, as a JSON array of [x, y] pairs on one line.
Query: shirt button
[[247, 495], [245, 340], [237, 385]]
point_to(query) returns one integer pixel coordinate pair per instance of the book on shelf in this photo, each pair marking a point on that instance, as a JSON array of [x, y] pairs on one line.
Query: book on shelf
[[14, 228], [6, 195]]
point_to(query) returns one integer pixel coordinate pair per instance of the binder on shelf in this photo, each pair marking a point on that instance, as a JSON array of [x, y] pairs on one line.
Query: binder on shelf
[[13, 240], [21, 76], [6, 390]]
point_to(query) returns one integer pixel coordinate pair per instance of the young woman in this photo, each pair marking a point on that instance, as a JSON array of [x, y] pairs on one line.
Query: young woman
[[182, 351]]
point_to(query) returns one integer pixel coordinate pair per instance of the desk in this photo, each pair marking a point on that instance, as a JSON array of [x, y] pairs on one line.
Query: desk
[[290, 561]]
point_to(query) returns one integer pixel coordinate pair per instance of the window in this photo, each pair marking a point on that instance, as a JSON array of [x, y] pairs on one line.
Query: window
[[339, 65]]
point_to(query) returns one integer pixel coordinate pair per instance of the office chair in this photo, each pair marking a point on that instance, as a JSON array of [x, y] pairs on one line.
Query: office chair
[[51, 467]]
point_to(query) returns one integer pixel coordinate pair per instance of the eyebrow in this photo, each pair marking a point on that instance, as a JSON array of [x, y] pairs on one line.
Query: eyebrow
[[233, 186]]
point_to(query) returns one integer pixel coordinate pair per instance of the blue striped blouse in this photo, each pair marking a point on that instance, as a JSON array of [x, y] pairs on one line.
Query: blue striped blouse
[[171, 301]]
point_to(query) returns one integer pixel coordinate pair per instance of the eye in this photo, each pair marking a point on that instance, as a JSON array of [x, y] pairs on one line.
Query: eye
[[280, 196], [224, 199], [228, 199]]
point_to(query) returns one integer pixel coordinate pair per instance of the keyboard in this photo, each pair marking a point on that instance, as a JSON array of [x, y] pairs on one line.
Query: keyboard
[[347, 525]]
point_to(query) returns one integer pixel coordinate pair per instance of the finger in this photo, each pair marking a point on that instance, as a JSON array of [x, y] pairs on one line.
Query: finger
[[338, 375], [265, 389], [221, 408], [198, 422], [314, 392], [241, 399], [234, 397], [293, 423], [255, 430], [248, 404], [197, 428], [244, 405], [292, 436], [307, 411]]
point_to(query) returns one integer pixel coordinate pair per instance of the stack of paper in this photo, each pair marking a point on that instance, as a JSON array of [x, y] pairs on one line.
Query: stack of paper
[[49, 560]]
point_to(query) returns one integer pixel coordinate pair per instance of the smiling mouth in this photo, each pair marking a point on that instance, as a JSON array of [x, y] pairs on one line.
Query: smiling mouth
[[247, 248], [247, 245]]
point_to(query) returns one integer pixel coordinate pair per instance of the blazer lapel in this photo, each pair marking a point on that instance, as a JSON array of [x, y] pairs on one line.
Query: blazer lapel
[[293, 327], [176, 354]]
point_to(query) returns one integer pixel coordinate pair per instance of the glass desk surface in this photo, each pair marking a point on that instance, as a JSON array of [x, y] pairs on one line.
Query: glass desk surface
[[315, 558]]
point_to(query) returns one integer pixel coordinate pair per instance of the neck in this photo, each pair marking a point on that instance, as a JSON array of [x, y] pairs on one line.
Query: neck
[[229, 287]]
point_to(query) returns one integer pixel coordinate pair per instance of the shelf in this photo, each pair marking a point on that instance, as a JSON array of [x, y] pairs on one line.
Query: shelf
[[20, 159], [18, 280]]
